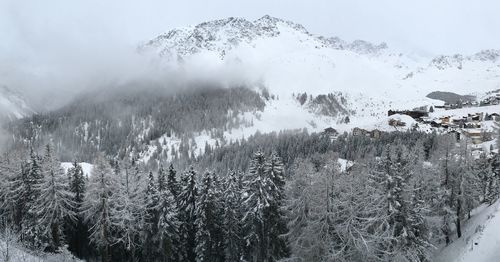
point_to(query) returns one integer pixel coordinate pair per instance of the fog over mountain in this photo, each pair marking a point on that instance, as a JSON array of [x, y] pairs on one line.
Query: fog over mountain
[[76, 46], [249, 131]]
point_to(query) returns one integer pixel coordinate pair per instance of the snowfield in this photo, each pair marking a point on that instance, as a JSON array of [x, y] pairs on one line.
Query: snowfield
[[480, 241]]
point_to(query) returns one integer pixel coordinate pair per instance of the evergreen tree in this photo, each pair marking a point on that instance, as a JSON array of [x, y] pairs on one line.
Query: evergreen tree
[[172, 183], [209, 235], [55, 203], [233, 242], [187, 215], [76, 230], [274, 171], [98, 206], [446, 161], [404, 220], [30, 230], [151, 219], [129, 210], [168, 226], [162, 180], [262, 210]]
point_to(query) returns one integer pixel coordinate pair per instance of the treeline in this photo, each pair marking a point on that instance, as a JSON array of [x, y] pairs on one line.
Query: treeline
[[407, 194], [399, 206], [123, 212], [126, 120], [291, 145]]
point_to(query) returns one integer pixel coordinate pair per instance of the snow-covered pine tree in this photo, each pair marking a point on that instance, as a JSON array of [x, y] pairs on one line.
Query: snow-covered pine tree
[[484, 169], [209, 234], [162, 180], [172, 183], [14, 189], [218, 232], [151, 220], [494, 186], [98, 206], [277, 225], [298, 194], [168, 223], [407, 240], [260, 192], [417, 240], [55, 204], [188, 196], [77, 231], [310, 212], [445, 156], [233, 242], [129, 209], [30, 230]]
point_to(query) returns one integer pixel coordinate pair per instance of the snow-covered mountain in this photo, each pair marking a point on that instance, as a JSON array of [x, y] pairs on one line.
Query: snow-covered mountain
[[13, 105], [366, 79], [286, 56]]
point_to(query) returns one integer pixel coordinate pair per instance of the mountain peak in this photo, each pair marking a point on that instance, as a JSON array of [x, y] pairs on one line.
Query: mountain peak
[[223, 35]]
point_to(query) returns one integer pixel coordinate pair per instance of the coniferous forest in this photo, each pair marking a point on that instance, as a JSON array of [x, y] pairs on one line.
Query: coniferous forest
[[249, 131], [267, 198]]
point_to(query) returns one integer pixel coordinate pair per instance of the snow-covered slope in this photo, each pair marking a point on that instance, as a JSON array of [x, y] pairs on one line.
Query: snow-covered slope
[[11, 250], [12, 104], [289, 60], [480, 241]]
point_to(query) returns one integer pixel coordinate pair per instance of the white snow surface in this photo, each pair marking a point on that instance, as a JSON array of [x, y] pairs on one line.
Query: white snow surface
[[86, 167], [16, 253], [480, 241], [286, 58]]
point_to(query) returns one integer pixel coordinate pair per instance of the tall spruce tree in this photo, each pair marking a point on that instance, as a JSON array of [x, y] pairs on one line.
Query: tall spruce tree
[[262, 203], [233, 242], [168, 223], [76, 230], [209, 235], [151, 220], [30, 230], [98, 206], [277, 244], [55, 204], [172, 182], [187, 215]]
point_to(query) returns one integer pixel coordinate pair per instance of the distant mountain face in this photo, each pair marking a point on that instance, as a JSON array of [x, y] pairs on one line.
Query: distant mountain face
[[226, 34], [13, 105], [285, 56], [291, 79]]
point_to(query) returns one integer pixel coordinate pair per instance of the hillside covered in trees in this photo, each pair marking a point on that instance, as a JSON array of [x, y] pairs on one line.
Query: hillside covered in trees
[[267, 198]]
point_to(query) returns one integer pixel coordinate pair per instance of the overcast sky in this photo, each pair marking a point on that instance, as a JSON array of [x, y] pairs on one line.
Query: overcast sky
[[41, 38]]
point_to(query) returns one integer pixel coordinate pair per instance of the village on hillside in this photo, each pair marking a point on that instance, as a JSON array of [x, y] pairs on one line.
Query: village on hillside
[[472, 121]]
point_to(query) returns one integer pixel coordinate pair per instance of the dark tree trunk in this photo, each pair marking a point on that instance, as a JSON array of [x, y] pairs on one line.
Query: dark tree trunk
[[459, 225]]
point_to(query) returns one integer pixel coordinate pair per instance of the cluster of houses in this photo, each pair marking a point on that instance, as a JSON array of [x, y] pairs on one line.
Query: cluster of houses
[[333, 133], [491, 100], [362, 132], [468, 127], [467, 122]]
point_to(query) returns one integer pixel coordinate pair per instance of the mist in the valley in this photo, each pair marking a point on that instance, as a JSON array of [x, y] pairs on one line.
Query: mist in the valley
[[51, 59]]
